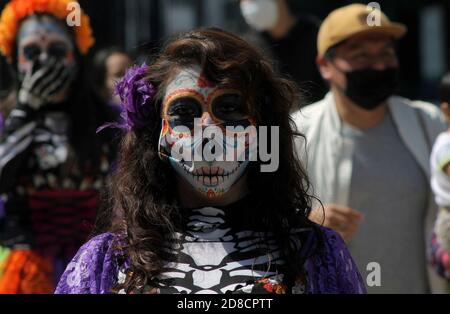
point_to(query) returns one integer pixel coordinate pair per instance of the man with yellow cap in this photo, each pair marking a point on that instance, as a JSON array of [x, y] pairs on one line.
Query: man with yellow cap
[[368, 151]]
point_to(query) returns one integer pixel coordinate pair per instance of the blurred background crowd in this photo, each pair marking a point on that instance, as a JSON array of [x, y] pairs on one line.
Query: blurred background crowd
[[138, 26], [131, 31]]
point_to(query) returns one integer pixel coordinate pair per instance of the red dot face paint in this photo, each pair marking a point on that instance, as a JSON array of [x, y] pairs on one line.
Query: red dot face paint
[[189, 104], [40, 41], [203, 82], [40, 35], [192, 82]]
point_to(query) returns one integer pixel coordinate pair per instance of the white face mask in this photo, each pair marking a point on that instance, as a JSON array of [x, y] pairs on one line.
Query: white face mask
[[260, 14]]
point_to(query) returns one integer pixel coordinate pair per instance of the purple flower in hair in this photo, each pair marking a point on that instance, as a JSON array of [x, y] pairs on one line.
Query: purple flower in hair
[[136, 95]]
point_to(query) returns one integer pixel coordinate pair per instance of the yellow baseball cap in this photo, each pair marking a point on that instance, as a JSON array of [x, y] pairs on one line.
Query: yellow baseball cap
[[354, 19]]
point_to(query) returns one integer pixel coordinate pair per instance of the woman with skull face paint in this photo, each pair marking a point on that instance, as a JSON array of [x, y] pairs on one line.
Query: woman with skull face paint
[[199, 226], [51, 164]]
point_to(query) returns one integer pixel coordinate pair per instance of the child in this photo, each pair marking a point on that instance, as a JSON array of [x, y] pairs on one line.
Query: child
[[440, 183]]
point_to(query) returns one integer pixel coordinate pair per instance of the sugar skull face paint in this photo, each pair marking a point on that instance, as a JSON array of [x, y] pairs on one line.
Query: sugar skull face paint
[[41, 39], [190, 103]]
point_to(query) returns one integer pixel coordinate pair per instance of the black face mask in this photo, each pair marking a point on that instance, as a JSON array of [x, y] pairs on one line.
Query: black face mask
[[369, 88]]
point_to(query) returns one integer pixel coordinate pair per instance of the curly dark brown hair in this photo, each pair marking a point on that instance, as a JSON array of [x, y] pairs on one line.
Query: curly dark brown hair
[[142, 190]]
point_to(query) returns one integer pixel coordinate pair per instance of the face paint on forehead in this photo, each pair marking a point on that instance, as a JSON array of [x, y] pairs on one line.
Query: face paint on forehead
[[33, 28], [190, 79], [37, 35], [41, 39]]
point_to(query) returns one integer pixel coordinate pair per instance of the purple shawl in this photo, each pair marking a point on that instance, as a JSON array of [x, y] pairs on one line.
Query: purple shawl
[[95, 268]]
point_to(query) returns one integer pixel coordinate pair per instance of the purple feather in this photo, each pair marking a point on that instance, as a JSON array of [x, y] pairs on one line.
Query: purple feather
[[136, 95]]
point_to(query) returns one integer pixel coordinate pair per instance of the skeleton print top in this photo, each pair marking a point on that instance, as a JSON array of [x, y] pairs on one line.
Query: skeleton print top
[[217, 254], [49, 193]]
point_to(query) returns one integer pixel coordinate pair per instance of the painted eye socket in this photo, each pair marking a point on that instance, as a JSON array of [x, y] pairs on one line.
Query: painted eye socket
[[229, 107], [59, 50], [184, 110], [31, 51]]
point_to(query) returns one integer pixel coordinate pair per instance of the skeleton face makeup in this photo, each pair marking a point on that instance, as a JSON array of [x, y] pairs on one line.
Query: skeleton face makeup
[[40, 40], [192, 103]]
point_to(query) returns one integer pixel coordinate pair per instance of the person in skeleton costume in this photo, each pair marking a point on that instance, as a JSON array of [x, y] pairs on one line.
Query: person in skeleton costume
[[51, 163], [208, 224]]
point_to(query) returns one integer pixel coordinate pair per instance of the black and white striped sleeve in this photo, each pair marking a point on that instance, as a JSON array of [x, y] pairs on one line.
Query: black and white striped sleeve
[[17, 138]]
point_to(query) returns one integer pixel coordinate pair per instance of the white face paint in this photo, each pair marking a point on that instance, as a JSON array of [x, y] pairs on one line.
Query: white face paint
[[190, 96], [41, 39]]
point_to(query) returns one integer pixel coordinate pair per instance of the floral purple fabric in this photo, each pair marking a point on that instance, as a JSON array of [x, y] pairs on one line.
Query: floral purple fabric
[[95, 268], [333, 271], [136, 95], [440, 258]]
